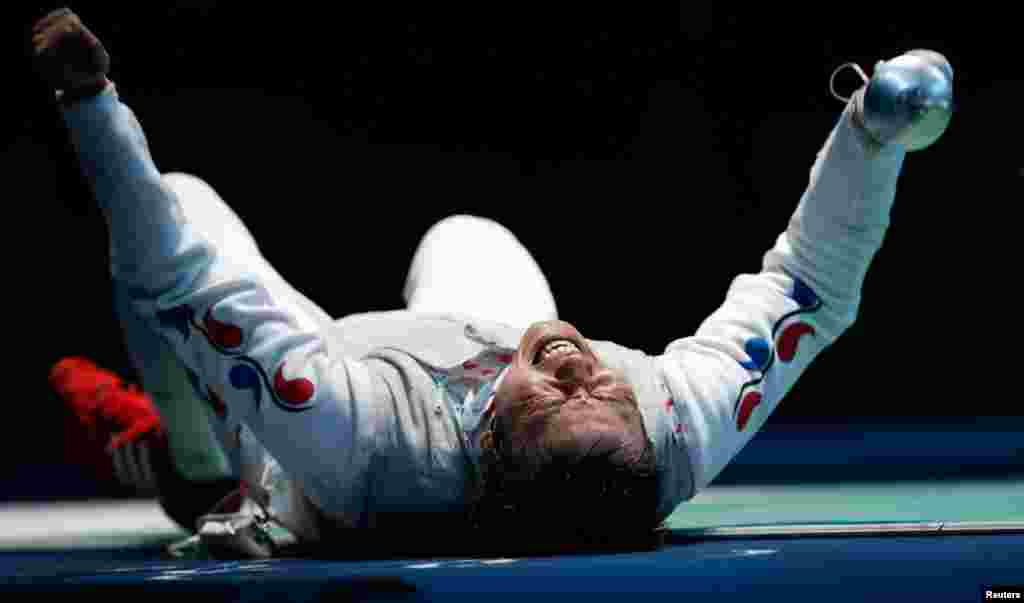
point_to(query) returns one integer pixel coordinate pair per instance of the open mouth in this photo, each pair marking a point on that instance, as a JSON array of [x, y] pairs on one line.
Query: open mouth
[[555, 348]]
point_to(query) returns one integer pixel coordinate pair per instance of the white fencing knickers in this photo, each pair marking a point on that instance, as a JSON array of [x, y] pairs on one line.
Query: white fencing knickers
[[476, 267]]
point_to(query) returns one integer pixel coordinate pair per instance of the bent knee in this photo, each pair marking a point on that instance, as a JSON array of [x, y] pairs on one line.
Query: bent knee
[[188, 185], [471, 229], [209, 213]]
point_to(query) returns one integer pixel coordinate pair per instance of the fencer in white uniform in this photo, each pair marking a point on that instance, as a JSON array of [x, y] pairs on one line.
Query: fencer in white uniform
[[359, 420]]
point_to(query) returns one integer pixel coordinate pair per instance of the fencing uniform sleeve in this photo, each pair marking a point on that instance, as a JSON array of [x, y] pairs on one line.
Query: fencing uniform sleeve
[[252, 348], [730, 376]]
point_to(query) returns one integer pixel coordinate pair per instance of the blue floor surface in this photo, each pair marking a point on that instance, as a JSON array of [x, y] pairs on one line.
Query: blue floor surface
[[922, 568], [873, 568]]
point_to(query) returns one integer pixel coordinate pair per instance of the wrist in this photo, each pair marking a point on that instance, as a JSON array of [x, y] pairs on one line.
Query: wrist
[[83, 90], [871, 145]]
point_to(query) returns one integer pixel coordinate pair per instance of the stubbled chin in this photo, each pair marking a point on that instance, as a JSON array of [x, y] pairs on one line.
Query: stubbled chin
[[552, 326], [540, 330]]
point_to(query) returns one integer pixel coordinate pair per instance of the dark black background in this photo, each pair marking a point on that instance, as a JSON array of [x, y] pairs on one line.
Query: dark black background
[[646, 155]]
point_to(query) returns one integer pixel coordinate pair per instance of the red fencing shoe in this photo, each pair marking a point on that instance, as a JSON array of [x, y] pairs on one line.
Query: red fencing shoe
[[115, 429]]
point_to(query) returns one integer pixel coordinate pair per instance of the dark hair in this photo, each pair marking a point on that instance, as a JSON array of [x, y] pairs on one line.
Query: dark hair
[[564, 501]]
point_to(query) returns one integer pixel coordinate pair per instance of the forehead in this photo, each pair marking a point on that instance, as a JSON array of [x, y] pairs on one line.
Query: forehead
[[600, 430]]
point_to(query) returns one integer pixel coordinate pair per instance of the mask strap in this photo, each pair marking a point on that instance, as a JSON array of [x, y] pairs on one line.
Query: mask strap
[[832, 80]]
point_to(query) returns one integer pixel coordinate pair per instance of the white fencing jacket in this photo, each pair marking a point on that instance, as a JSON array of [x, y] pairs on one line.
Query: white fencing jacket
[[350, 412]]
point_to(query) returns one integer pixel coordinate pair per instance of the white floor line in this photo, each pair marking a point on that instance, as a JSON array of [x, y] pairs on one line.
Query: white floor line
[[90, 524]]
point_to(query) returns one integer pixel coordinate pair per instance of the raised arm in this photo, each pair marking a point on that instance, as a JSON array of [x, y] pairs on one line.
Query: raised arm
[[242, 336], [731, 375]]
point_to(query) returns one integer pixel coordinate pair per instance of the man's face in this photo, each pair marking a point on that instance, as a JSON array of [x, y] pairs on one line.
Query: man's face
[[557, 394]]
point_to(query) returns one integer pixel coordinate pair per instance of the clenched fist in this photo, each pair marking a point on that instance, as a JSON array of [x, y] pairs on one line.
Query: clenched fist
[[68, 56]]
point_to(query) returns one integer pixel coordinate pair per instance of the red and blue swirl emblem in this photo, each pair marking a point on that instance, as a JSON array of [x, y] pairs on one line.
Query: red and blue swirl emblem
[[294, 394], [761, 356]]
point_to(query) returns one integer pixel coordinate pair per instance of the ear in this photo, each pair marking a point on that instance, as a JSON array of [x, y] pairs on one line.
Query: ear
[[489, 460], [487, 442]]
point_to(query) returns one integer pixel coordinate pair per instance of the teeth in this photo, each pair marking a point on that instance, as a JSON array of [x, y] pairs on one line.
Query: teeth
[[558, 347], [560, 343]]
